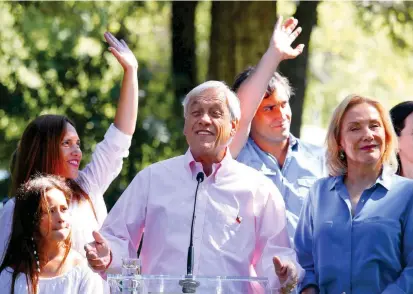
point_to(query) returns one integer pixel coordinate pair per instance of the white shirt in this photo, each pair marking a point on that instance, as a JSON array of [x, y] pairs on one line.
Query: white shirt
[[94, 179], [240, 220], [79, 280]]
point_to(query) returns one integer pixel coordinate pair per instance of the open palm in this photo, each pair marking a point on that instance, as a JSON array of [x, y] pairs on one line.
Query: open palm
[[122, 52], [283, 36]]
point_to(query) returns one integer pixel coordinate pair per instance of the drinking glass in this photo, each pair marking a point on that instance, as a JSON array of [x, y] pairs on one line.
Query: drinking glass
[[131, 266]]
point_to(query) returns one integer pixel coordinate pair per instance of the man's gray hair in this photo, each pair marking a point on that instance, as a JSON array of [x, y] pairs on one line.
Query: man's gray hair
[[222, 89]]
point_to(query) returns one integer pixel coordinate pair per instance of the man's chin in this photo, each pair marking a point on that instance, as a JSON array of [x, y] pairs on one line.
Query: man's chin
[[205, 145], [202, 149], [281, 138]]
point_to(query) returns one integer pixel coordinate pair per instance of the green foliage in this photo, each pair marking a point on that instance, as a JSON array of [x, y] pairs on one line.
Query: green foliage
[[203, 31], [53, 59], [357, 47], [394, 17], [346, 59]]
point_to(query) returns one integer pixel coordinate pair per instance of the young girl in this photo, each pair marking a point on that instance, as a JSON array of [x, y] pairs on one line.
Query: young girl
[[39, 258], [50, 145]]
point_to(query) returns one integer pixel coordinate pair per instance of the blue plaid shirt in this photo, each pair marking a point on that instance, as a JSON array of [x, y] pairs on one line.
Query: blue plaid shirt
[[303, 165]]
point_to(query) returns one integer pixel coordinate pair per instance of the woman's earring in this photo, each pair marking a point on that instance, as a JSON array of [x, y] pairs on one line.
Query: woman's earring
[[341, 155]]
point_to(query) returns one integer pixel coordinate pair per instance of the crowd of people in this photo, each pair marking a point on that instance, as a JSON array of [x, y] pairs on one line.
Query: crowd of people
[[332, 219]]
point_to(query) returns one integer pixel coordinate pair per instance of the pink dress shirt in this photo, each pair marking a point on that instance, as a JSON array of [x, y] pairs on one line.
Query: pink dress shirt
[[240, 220]]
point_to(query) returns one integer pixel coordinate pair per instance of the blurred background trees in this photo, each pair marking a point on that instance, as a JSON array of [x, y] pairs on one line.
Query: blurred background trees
[[53, 59]]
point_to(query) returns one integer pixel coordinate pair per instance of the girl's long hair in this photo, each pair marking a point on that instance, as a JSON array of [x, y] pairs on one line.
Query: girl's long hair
[[23, 250]]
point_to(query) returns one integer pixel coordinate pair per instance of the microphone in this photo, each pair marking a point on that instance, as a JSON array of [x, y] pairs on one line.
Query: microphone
[[190, 258], [189, 285]]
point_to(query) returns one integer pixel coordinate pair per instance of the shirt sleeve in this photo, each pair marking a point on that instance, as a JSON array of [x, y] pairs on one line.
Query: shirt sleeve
[[272, 237], [106, 163], [6, 223], [303, 242], [404, 283], [124, 225]]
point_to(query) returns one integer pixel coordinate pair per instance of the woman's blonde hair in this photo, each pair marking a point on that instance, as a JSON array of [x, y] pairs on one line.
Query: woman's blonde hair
[[338, 166]]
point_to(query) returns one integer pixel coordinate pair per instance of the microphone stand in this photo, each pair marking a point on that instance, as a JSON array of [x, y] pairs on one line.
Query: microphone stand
[[189, 285]]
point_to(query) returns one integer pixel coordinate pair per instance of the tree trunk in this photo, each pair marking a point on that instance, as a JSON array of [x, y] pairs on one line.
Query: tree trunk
[[240, 34], [183, 49], [184, 67], [296, 70]]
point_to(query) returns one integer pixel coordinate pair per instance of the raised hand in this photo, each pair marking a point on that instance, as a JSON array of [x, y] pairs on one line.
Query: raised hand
[[122, 52], [283, 36], [98, 253]]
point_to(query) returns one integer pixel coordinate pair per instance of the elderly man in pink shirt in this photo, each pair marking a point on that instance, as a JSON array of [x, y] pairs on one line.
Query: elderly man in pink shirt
[[240, 222]]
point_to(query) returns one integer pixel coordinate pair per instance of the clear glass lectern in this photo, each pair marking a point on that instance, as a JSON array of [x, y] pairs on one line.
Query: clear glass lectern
[[151, 284]]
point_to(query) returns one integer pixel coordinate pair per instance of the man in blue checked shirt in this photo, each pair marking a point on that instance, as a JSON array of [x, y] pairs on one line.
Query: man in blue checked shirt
[[263, 140]]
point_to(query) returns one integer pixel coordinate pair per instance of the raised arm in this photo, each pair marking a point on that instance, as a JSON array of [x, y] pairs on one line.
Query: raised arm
[[253, 89], [108, 156], [127, 111]]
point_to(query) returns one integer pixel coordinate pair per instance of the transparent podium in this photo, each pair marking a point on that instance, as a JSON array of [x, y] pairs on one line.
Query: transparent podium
[[151, 284]]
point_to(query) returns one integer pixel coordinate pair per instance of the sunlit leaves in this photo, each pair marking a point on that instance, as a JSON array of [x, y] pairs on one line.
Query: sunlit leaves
[[53, 59], [346, 59], [395, 17]]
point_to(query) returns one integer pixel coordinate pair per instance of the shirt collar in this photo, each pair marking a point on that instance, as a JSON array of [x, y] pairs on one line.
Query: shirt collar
[[384, 179], [293, 142], [193, 167], [386, 176]]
